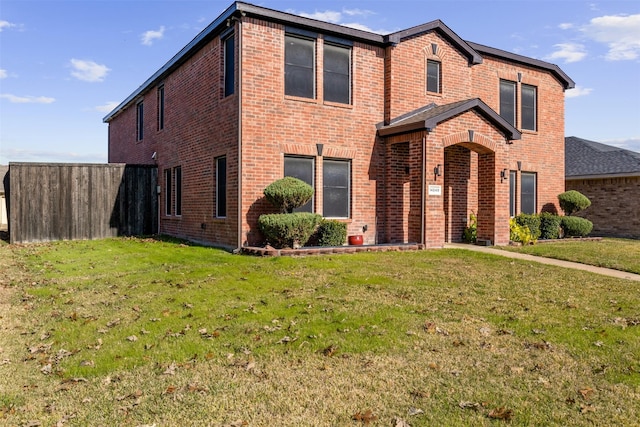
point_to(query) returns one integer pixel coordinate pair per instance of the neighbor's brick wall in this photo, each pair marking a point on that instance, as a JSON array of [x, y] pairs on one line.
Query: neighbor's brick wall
[[615, 205]]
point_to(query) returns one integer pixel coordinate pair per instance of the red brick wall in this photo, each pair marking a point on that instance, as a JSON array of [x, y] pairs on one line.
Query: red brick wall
[[615, 205], [274, 125], [200, 125]]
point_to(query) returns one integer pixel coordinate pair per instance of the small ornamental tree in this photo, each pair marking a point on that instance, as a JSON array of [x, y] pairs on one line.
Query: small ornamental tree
[[288, 193], [573, 201], [288, 229]]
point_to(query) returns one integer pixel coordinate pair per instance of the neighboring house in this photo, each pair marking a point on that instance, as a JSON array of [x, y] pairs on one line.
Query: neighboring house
[[4, 181], [610, 178], [402, 136]]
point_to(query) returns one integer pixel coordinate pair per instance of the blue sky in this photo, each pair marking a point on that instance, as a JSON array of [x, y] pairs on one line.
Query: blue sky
[[65, 64]]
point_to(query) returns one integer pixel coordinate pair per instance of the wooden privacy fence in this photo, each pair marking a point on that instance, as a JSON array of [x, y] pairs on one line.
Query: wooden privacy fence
[[49, 201]]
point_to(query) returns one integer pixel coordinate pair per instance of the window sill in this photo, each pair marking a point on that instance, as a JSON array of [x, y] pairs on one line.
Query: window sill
[[529, 132], [338, 105], [301, 99]]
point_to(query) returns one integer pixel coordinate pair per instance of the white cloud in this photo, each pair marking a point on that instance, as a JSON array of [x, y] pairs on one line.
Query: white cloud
[[6, 24], [27, 99], [337, 17], [565, 26], [620, 33], [3, 74], [107, 108], [578, 91], [148, 37], [326, 16], [88, 71], [632, 144], [30, 155], [569, 52]]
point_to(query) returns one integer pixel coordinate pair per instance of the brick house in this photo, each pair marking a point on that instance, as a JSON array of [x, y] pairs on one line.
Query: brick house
[[402, 135], [610, 177]]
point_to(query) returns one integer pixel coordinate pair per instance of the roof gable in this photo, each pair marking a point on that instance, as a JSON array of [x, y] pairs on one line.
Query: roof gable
[[584, 158], [439, 26], [430, 116]]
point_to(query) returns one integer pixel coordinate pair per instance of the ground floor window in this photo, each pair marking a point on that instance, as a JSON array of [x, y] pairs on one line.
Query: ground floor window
[[302, 168], [528, 192], [512, 193], [177, 172], [336, 183], [221, 187], [167, 192], [336, 177]]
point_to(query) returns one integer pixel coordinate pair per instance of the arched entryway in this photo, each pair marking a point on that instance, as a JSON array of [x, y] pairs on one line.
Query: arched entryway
[[468, 189]]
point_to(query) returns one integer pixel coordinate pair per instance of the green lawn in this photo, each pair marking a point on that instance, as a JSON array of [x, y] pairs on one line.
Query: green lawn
[[142, 332], [618, 254]]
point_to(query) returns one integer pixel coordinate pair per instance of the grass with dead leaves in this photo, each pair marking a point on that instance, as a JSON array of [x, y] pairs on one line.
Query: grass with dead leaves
[[147, 332], [618, 254]]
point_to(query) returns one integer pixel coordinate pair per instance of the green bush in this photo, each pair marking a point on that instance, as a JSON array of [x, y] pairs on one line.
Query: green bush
[[532, 222], [573, 201], [288, 193], [575, 226], [549, 226], [519, 233], [288, 230], [470, 233], [331, 232]]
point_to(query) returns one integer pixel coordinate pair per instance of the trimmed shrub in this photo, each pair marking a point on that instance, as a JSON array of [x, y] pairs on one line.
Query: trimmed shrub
[[519, 233], [532, 222], [331, 232], [549, 226], [288, 230], [288, 193], [573, 201], [575, 226]]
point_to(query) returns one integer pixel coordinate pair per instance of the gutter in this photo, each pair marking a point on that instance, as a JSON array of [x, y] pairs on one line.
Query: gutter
[[603, 176], [239, 242]]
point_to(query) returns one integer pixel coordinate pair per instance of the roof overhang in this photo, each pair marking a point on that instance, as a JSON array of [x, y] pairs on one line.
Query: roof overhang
[[566, 81], [603, 176], [428, 118]]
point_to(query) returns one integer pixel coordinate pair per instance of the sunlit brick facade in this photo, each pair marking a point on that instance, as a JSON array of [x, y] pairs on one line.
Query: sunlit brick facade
[[402, 135]]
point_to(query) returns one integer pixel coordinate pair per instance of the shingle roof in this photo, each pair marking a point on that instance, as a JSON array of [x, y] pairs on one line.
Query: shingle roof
[[430, 116], [584, 158]]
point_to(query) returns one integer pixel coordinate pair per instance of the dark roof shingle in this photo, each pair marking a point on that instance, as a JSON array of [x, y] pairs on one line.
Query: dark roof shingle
[[584, 158]]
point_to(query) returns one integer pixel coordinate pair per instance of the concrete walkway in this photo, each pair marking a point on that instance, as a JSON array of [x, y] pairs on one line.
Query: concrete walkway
[[550, 261]]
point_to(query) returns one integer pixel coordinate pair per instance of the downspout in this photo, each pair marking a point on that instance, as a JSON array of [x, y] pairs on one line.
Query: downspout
[[422, 191], [239, 244]]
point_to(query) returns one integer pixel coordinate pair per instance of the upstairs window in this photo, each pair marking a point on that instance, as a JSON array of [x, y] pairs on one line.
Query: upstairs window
[[433, 76], [337, 73], [139, 121], [508, 101], [161, 107], [529, 107], [299, 64], [229, 65], [302, 168]]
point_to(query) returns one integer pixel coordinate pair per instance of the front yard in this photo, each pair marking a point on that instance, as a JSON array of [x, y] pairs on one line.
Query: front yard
[[145, 332]]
